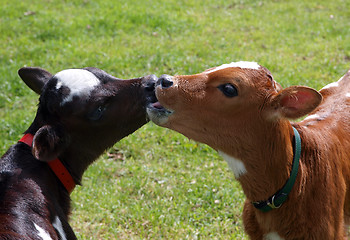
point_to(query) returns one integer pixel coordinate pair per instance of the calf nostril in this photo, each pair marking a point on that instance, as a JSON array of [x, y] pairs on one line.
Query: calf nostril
[[150, 87], [165, 81]]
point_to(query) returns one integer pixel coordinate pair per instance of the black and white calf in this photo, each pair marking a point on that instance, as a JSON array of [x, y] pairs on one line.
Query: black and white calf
[[81, 113]]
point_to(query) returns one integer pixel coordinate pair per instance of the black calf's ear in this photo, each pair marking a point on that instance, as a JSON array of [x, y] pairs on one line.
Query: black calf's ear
[[34, 77], [48, 143]]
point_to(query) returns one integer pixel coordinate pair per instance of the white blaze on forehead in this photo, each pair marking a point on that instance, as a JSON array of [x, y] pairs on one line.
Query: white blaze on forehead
[[42, 233], [236, 165], [241, 64], [80, 82]]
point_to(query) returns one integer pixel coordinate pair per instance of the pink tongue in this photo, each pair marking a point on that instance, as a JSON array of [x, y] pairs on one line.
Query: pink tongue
[[157, 105]]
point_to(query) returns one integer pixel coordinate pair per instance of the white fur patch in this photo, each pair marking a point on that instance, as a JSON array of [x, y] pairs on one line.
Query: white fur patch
[[333, 84], [273, 236], [241, 64], [313, 116], [42, 233], [347, 95], [236, 165], [80, 82], [58, 226]]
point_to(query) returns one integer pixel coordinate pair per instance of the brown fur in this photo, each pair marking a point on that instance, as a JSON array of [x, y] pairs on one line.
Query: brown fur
[[254, 127]]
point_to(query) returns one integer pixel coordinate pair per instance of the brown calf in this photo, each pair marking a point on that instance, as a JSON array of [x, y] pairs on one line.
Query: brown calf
[[239, 110], [81, 113]]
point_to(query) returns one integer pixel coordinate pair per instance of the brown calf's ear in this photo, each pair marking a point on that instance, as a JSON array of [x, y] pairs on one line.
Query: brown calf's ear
[[34, 77], [48, 143], [296, 101]]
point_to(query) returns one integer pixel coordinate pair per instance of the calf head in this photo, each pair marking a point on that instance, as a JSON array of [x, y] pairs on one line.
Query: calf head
[[84, 111], [227, 107]]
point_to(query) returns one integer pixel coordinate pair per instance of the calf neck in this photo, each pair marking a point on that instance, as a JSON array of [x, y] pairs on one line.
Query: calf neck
[[81, 113], [243, 113]]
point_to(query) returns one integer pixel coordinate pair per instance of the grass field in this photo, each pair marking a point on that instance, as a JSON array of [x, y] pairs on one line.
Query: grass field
[[157, 184]]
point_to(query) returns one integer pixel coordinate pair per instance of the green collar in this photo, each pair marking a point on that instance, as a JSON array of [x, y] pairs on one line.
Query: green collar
[[281, 195]]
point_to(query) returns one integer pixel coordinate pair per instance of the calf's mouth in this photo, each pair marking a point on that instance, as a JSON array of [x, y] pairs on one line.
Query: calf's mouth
[[156, 112]]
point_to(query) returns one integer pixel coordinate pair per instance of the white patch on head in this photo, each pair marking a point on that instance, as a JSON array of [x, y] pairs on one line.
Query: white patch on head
[[241, 64], [347, 95], [80, 82], [272, 236], [236, 165], [58, 226], [42, 233]]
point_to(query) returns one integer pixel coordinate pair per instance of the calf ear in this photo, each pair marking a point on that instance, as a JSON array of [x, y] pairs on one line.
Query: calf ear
[[35, 78], [48, 143], [296, 101]]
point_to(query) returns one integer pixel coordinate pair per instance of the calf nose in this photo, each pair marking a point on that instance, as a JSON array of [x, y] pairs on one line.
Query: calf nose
[[165, 81], [149, 82]]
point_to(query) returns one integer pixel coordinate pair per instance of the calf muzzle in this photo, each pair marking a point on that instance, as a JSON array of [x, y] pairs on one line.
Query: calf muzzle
[[149, 83]]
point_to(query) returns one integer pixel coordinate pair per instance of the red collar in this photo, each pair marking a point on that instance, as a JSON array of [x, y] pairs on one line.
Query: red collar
[[56, 166]]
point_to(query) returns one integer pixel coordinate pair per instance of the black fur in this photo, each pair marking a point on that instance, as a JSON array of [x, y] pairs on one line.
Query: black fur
[[30, 193]]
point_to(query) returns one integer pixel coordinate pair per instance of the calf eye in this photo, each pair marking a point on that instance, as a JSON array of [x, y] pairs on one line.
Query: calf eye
[[97, 113], [228, 89]]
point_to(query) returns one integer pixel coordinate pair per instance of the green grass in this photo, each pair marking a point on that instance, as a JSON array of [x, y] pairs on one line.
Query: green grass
[[156, 184]]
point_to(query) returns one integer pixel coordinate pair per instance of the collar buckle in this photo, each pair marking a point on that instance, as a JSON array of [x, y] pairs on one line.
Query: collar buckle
[[272, 204]]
